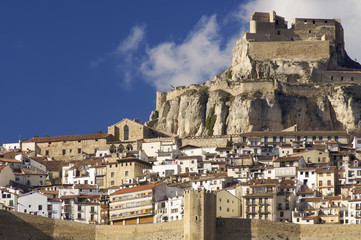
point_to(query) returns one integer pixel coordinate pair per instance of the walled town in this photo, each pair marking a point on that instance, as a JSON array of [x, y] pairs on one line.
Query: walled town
[[137, 173]]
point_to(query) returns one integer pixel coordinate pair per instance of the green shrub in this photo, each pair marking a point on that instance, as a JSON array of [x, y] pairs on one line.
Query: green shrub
[[211, 120]]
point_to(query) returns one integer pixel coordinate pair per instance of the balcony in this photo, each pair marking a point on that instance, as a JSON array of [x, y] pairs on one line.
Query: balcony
[[144, 212]]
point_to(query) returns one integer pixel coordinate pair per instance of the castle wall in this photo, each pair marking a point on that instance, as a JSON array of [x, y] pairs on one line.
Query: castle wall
[[15, 225], [294, 50]]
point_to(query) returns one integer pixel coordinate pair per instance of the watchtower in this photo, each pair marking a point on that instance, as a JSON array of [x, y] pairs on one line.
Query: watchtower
[[199, 215]]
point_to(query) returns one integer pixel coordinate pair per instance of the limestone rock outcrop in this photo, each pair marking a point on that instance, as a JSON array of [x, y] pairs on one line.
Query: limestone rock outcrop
[[279, 77]]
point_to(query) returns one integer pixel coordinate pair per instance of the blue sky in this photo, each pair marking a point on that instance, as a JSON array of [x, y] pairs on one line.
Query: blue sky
[[76, 67]]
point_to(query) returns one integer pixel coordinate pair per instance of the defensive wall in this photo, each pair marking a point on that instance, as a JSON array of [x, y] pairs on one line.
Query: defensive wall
[[295, 50], [23, 226]]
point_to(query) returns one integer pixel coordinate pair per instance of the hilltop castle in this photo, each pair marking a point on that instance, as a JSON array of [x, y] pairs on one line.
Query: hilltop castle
[[312, 49], [279, 77]]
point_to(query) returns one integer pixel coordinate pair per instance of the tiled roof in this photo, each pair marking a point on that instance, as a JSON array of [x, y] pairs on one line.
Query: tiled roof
[[68, 196], [52, 165], [136, 189], [224, 148], [288, 159], [188, 157], [10, 160], [69, 138]]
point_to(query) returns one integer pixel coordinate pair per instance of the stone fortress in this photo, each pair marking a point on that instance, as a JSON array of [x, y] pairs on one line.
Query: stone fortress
[[279, 77]]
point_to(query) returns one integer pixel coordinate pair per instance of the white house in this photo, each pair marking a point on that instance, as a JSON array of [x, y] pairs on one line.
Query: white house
[[87, 209], [307, 177], [167, 168], [9, 197], [189, 163], [11, 146], [54, 209], [33, 203]]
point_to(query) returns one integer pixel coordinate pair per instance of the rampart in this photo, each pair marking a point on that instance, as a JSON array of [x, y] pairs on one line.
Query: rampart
[[301, 50], [24, 226]]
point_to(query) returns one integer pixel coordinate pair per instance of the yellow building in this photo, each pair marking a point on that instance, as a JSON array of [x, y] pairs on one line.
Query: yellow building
[[124, 170], [326, 180], [260, 202], [315, 157], [228, 206]]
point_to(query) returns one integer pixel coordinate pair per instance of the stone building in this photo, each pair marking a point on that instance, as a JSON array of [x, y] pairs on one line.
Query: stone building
[[199, 215], [71, 147], [127, 132], [124, 170]]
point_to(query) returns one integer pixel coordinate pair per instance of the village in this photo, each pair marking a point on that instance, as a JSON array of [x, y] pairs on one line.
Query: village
[[135, 174]]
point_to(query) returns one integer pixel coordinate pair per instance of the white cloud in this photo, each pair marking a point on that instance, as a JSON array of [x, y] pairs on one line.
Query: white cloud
[[132, 41], [348, 10], [197, 59]]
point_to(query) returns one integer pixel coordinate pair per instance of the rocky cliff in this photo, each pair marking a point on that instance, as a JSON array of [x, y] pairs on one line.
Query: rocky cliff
[[271, 85]]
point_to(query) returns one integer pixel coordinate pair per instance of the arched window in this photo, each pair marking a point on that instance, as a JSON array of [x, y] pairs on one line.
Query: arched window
[[126, 132]]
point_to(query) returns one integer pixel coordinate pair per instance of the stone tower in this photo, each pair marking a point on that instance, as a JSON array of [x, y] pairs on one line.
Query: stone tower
[[199, 215]]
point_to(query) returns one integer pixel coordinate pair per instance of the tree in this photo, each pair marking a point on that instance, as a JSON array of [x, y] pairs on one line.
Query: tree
[[211, 120], [229, 74]]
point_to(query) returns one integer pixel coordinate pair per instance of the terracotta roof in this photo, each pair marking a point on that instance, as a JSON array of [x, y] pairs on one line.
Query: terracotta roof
[[68, 196], [265, 157], [28, 172], [326, 170], [52, 165], [224, 148], [69, 138], [89, 196], [135, 189], [88, 161], [10, 160], [189, 157], [288, 159]]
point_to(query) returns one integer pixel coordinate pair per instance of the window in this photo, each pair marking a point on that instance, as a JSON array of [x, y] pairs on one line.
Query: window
[[64, 151], [79, 150], [309, 31], [126, 132], [112, 174], [40, 207], [281, 214], [112, 183], [328, 182], [79, 208], [331, 77], [265, 139], [47, 152], [126, 173], [320, 183]]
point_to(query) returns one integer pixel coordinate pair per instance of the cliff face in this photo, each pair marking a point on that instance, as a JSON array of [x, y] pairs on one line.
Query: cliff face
[[274, 82], [311, 107]]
